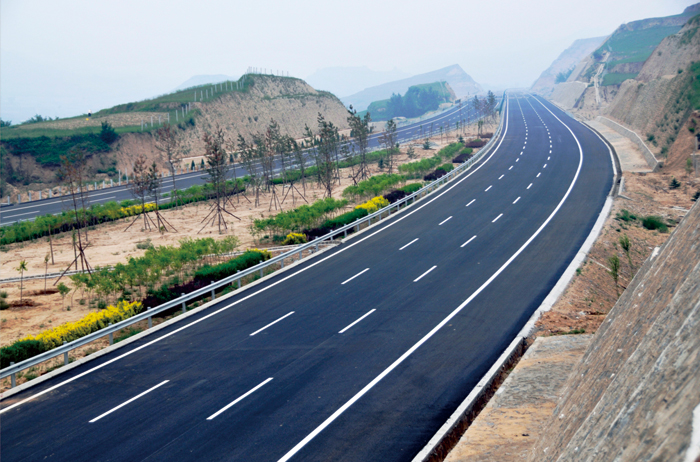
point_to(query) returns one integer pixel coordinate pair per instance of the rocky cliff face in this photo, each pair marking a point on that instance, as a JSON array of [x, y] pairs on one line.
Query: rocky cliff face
[[632, 396]]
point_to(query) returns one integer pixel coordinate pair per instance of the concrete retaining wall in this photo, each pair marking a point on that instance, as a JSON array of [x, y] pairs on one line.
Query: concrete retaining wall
[[653, 162]]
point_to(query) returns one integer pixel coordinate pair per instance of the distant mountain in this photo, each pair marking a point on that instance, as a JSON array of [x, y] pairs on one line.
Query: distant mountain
[[204, 80], [566, 62], [348, 80], [460, 82]]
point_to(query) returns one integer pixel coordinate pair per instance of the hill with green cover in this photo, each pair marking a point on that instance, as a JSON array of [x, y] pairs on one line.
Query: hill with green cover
[[625, 52], [418, 100]]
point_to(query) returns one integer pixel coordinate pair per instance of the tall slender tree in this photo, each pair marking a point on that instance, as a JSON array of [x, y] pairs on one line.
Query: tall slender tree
[[167, 141], [73, 172], [154, 185], [326, 152], [215, 155], [140, 186], [21, 269], [360, 130], [388, 139]]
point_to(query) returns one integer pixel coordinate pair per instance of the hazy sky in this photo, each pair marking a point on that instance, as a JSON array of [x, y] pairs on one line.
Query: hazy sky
[[64, 57]]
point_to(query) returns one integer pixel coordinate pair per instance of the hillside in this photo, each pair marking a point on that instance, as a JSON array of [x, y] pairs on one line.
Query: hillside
[[418, 100], [651, 89], [32, 150], [460, 82], [563, 67], [349, 80]]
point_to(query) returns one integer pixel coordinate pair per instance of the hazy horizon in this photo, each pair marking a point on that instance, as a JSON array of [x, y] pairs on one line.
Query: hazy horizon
[[67, 57]]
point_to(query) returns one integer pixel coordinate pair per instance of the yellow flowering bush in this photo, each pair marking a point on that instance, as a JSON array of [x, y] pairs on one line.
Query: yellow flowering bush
[[294, 238], [374, 204], [69, 331], [136, 209]]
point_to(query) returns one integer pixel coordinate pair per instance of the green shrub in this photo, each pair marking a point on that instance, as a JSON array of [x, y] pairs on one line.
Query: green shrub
[[449, 151], [208, 274], [3, 300], [674, 184], [373, 186], [298, 218], [625, 215], [653, 222], [411, 188], [19, 351]]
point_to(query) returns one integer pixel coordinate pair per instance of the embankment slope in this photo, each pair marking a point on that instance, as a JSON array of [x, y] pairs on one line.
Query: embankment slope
[[633, 394]]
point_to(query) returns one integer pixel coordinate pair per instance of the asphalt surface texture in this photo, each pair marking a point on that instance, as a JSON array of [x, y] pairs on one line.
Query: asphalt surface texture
[[27, 211], [359, 354]]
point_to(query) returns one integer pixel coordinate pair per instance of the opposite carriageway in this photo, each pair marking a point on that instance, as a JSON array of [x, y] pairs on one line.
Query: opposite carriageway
[[12, 213], [300, 388]]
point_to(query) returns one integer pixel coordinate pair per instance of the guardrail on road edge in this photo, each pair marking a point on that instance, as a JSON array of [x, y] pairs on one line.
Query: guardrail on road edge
[[311, 247]]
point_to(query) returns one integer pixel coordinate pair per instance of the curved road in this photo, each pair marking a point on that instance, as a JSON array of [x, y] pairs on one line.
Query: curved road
[[360, 354]]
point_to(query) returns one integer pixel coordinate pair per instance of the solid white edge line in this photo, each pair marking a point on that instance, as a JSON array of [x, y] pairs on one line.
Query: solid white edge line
[[243, 396], [129, 401], [272, 323], [470, 239], [476, 392], [496, 219], [454, 313], [424, 274], [358, 320], [348, 280], [409, 244], [445, 220], [470, 202], [271, 285], [516, 200]]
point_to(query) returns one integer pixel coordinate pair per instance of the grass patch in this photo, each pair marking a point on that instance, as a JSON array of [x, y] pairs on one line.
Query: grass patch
[[653, 222]]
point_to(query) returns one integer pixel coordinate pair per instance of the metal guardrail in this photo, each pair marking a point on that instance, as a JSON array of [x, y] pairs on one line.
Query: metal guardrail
[[310, 247]]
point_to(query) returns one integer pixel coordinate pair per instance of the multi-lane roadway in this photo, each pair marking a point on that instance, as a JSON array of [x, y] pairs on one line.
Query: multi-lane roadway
[[12, 213], [360, 354]]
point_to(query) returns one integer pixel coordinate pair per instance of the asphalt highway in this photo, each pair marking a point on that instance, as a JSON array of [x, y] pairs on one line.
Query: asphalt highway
[[359, 354], [12, 213]]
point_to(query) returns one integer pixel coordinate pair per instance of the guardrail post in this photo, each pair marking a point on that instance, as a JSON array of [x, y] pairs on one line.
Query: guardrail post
[[345, 233], [317, 247], [65, 357], [111, 335], [300, 254], [150, 320], [261, 272], [282, 263], [213, 294], [184, 306], [13, 378]]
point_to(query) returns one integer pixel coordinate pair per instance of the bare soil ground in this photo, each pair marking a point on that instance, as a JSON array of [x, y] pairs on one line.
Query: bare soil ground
[[592, 293], [110, 244]]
